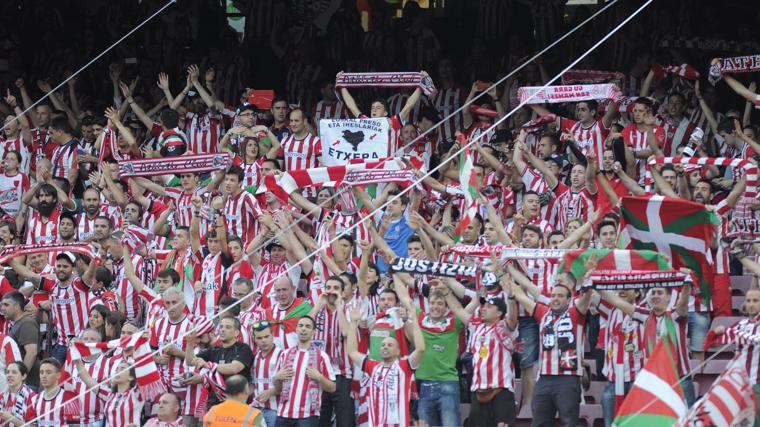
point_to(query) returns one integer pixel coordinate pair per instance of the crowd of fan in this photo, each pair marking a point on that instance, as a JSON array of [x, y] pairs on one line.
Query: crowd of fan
[[239, 284]]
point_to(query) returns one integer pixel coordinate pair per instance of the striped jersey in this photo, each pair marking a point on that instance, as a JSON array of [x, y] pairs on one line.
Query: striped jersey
[[267, 274], [637, 141], [240, 213], [17, 144], [446, 101], [328, 338], [655, 323], [264, 367], [561, 340], [91, 402], [64, 159], [203, 132], [492, 347], [623, 342], [588, 139], [164, 332], [745, 334], [124, 289], [389, 389], [17, 404], [50, 411], [571, 204], [213, 275], [41, 231], [676, 134], [68, 306], [301, 396], [122, 409], [328, 110]]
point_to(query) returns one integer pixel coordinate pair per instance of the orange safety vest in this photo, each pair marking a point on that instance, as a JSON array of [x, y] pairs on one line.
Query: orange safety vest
[[231, 413]]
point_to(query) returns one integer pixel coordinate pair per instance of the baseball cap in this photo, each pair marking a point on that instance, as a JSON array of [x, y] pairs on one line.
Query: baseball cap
[[69, 256], [274, 243], [496, 301]]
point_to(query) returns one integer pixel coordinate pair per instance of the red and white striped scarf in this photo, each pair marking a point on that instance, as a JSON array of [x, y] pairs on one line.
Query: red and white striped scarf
[[684, 70], [385, 170], [387, 79], [9, 252], [136, 237], [147, 376], [191, 163]]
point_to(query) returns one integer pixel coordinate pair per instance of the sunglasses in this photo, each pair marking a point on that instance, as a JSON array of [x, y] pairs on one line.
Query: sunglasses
[[260, 326]]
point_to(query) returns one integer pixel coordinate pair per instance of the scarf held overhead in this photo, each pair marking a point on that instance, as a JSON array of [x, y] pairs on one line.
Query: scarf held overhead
[[192, 163], [736, 64], [570, 93], [9, 252], [443, 269], [387, 79]]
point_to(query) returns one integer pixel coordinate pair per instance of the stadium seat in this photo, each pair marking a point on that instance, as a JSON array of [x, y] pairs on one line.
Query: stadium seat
[[726, 321], [595, 392], [518, 393], [740, 284], [464, 412], [704, 381], [736, 304], [715, 366], [589, 414], [592, 366]]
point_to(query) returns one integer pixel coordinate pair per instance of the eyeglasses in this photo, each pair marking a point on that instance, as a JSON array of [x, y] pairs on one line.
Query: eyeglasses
[[260, 326]]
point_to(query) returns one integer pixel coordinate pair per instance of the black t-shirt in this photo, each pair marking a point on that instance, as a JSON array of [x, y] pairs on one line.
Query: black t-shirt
[[237, 352]]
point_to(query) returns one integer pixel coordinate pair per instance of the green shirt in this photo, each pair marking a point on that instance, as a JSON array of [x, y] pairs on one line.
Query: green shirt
[[441, 349]]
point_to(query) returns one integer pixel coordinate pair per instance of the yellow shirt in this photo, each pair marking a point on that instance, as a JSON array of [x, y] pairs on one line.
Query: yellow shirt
[[231, 413]]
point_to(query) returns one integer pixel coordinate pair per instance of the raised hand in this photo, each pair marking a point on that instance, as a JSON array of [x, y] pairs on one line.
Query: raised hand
[[125, 90], [163, 81], [193, 72], [114, 71], [10, 100]]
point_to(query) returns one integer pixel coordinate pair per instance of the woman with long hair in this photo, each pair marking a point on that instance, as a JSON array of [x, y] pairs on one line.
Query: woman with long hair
[[124, 404], [14, 403], [97, 319], [252, 155]]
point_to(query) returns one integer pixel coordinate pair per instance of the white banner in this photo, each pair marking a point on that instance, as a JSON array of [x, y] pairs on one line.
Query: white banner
[[344, 140]]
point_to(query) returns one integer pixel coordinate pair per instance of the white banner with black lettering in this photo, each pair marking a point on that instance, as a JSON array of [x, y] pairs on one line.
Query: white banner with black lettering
[[346, 140]]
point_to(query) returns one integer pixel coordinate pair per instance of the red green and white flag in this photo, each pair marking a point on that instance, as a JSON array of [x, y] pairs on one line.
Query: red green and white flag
[[729, 401], [656, 398], [680, 229], [613, 259], [470, 186]]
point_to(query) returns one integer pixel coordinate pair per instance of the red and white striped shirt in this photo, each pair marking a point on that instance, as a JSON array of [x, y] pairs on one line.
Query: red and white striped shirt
[[305, 395], [12, 188], [676, 134], [589, 139], [491, 348], [203, 132], [247, 319], [397, 101], [623, 340], [42, 146], [561, 340], [85, 226], [637, 141], [683, 362], [213, 271], [328, 110], [92, 401], [69, 307], [328, 337], [446, 101], [17, 404], [183, 201], [251, 171], [9, 351], [155, 422], [390, 389], [39, 231], [64, 159], [267, 274], [17, 144], [164, 332], [264, 367], [301, 153], [124, 289], [50, 412], [745, 334], [123, 409], [570, 204], [240, 213]]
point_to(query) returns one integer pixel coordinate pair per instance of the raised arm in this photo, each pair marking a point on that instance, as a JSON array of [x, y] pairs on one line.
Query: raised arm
[[740, 89], [163, 84], [352, 342], [577, 235], [413, 99], [348, 100], [708, 112], [144, 118], [629, 183]]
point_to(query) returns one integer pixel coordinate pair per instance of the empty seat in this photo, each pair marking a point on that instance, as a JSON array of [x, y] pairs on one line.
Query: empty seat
[[589, 414], [740, 284], [703, 381], [736, 304], [464, 412], [726, 321], [595, 392], [715, 366]]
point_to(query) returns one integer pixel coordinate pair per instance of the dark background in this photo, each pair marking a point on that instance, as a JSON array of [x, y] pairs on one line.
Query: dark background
[[41, 39]]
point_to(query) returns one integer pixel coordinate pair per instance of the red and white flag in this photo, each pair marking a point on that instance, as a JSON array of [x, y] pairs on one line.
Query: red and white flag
[[684, 70], [730, 401]]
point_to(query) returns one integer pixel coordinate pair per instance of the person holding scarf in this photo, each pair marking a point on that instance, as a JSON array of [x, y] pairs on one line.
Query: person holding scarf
[[390, 378], [303, 372], [562, 325]]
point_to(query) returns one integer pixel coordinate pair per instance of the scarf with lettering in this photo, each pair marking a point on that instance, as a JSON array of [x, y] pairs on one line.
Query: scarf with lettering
[[616, 280], [387, 79], [444, 269], [570, 93], [736, 64], [147, 378], [190, 163], [684, 70], [312, 387], [506, 252], [9, 252]]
